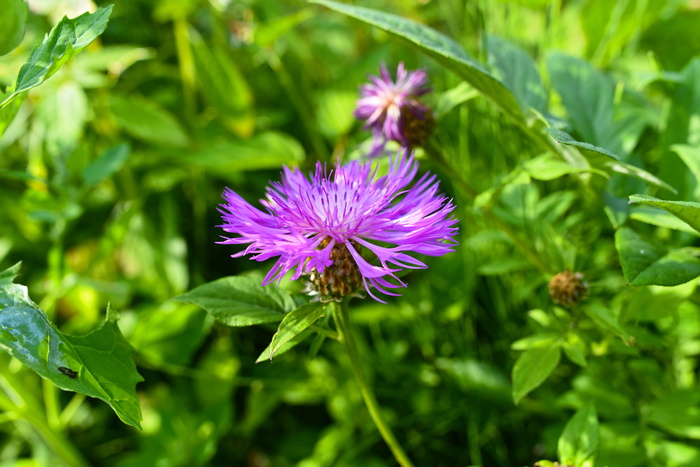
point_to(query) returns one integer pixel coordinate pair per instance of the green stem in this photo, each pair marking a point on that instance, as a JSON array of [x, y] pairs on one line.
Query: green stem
[[15, 398], [346, 335]]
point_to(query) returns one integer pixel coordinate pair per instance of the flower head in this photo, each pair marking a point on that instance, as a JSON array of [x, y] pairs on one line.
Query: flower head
[[392, 110], [327, 225]]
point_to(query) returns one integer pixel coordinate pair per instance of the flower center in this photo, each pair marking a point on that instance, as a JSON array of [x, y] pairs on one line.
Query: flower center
[[340, 278]]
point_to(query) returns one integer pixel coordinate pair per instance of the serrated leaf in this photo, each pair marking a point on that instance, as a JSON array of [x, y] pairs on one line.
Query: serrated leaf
[[296, 322], [646, 263], [438, 46], [617, 166], [578, 443], [106, 165], [13, 17], [98, 364], [687, 211], [65, 40], [533, 367], [241, 301]]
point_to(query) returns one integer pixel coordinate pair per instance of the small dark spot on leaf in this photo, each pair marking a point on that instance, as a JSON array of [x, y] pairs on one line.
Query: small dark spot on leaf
[[68, 372]]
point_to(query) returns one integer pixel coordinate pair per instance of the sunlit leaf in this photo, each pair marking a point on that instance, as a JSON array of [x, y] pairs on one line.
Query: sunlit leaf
[[241, 301], [646, 263], [616, 165], [13, 16], [533, 367], [296, 322], [65, 40], [98, 364], [440, 47], [687, 211], [579, 441]]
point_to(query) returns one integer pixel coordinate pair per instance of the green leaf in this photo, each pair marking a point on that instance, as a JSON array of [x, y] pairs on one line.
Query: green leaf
[[549, 167], [109, 162], [63, 114], [223, 85], [655, 216], [604, 318], [451, 98], [646, 263], [690, 156], [677, 413], [532, 368], [441, 48], [295, 322], [13, 17], [289, 345], [268, 150], [65, 40], [687, 211], [617, 166], [147, 121], [98, 364], [587, 96], [565, 138], [579, 441], [241, 301], [518, 72]]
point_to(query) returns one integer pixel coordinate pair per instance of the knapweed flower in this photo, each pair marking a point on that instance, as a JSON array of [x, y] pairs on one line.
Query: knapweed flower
[[345, 228], [393, 111]]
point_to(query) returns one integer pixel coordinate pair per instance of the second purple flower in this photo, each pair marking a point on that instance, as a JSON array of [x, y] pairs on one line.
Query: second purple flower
[[392, 109]]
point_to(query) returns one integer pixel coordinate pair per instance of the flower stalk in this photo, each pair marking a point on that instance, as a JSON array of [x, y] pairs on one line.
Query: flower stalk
[[342, 319]]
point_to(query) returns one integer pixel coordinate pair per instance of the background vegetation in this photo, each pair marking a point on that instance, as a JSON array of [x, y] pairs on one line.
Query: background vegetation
[[550, 116]]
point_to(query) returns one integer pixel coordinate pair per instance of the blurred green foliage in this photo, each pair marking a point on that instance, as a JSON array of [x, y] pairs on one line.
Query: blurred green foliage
[[551, 117]]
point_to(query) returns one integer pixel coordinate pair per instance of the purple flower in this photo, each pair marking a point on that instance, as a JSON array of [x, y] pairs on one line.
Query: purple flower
[[324, 226], [392, 109]]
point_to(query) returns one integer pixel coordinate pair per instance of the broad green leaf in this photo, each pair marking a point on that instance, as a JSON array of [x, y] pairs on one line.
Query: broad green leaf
[[65, 40], [106, 165], [579, 442], [289, 345], [268, 150], [438, 46], [147, 121], [677, 413], [532, 368], [517, 71], [616, 165], [98, 364], [587, 95], [656, 216], [474, 375], [296, 322], [687, 211], [549, 167], [646, 263], [13, 16], [241, 301]]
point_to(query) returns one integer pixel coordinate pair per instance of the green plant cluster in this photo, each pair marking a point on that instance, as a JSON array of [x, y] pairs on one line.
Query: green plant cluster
[[564, 329]]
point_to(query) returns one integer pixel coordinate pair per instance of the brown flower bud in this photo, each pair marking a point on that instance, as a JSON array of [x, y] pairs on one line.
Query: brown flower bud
[[568, 288]]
